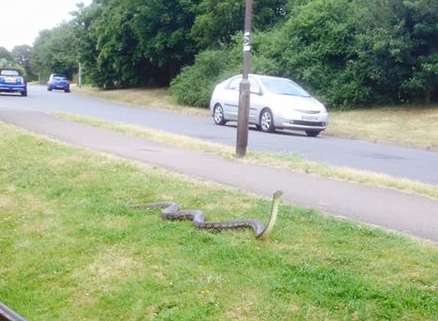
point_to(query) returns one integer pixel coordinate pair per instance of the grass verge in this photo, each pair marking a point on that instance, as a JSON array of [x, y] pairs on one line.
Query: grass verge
[[288, 161], [73, 249], [411, 125], [145, 97]]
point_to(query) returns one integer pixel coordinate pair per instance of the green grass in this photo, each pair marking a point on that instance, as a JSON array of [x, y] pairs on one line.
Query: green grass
[[72, 248], [286, 160]]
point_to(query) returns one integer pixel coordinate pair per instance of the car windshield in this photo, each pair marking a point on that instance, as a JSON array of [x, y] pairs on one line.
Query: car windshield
[[283, 86], [59, 77], [9, 73]]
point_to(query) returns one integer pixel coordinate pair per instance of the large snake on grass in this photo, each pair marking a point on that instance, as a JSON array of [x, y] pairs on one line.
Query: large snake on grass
[[171, 211]]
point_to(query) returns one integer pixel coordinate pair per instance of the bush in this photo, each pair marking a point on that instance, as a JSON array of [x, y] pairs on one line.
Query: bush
[[195, 84]]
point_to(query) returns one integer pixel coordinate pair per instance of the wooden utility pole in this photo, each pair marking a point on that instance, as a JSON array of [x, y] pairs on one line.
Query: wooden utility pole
[[244, 92]]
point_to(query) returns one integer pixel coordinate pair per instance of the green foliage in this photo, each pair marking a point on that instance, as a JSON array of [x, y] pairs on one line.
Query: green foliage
[[10, 64], [56, 51], [7, 60], [133, 42], [218, 21], [347, 52], [195, 84], [351, 53], [22, 55], [316, 47], [5, 54]]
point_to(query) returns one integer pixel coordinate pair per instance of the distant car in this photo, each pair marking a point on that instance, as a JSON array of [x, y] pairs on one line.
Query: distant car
[[58, 81], [276, 103], [11, 80]]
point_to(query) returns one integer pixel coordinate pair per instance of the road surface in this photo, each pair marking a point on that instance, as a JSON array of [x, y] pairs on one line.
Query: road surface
[[412, 163]]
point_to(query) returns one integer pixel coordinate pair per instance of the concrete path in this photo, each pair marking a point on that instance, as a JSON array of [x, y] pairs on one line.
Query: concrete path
[[391, 209], [393, 160]]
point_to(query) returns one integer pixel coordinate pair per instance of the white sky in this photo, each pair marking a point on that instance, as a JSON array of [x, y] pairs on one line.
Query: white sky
[[21, 20]]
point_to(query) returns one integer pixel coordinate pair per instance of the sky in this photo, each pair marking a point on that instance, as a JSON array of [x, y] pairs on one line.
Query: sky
[[22, 20]]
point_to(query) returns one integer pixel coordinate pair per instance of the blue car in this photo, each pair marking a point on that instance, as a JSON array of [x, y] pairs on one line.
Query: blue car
[[58, 81], [11, 81]]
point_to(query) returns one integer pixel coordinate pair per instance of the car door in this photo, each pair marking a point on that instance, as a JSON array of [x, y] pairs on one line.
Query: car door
[[231, 99], [256, 101]]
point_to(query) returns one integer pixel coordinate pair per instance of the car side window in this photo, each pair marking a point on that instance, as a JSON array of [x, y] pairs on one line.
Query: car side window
[[255, 88], [235, 83]]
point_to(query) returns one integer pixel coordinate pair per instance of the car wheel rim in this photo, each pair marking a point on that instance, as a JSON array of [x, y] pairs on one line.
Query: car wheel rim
[[218, 115], [266, 121]]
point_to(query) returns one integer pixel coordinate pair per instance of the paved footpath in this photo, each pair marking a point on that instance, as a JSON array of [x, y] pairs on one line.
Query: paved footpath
[[391, 209]]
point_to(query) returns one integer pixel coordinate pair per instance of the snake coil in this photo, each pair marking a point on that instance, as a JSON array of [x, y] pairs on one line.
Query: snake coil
[[171, 211]]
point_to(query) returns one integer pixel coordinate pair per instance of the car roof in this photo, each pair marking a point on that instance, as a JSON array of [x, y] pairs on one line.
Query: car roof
[[259, 76], [11, 69], [268, 77]]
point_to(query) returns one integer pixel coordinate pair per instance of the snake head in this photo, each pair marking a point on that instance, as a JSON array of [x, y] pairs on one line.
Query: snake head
[[277, 195], [273, 217]]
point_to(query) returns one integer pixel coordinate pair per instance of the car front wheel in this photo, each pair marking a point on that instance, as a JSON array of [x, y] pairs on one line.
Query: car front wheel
[[312, 133], [267, 121], [218, 115]]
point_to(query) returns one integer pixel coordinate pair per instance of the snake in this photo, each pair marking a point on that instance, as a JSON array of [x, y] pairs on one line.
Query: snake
[[171, 211]]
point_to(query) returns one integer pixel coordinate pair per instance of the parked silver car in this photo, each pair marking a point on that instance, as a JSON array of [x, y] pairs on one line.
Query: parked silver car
[[276, 103]]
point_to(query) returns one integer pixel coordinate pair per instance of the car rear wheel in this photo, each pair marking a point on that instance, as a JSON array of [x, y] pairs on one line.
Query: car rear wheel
[[67, 90], [24, 93], [218, 115], [312, 133], [267, 121]]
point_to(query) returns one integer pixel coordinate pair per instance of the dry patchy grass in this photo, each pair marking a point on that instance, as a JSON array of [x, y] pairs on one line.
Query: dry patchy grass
[[410, 125], [143, 97]]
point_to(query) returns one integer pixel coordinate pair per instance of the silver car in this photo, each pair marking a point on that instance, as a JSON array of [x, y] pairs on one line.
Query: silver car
[[276, 103]]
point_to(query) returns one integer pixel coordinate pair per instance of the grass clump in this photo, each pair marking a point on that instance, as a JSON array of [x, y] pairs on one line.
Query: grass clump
[[73, 248]]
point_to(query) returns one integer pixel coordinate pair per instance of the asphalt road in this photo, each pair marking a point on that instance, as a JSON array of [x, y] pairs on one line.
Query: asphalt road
[[393, 160]]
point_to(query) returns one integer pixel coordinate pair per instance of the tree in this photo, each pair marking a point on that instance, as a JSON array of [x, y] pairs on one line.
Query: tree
[[218, 21], [7, 60], [22, 56], [5, 54], [135, 42], [56, 50]]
